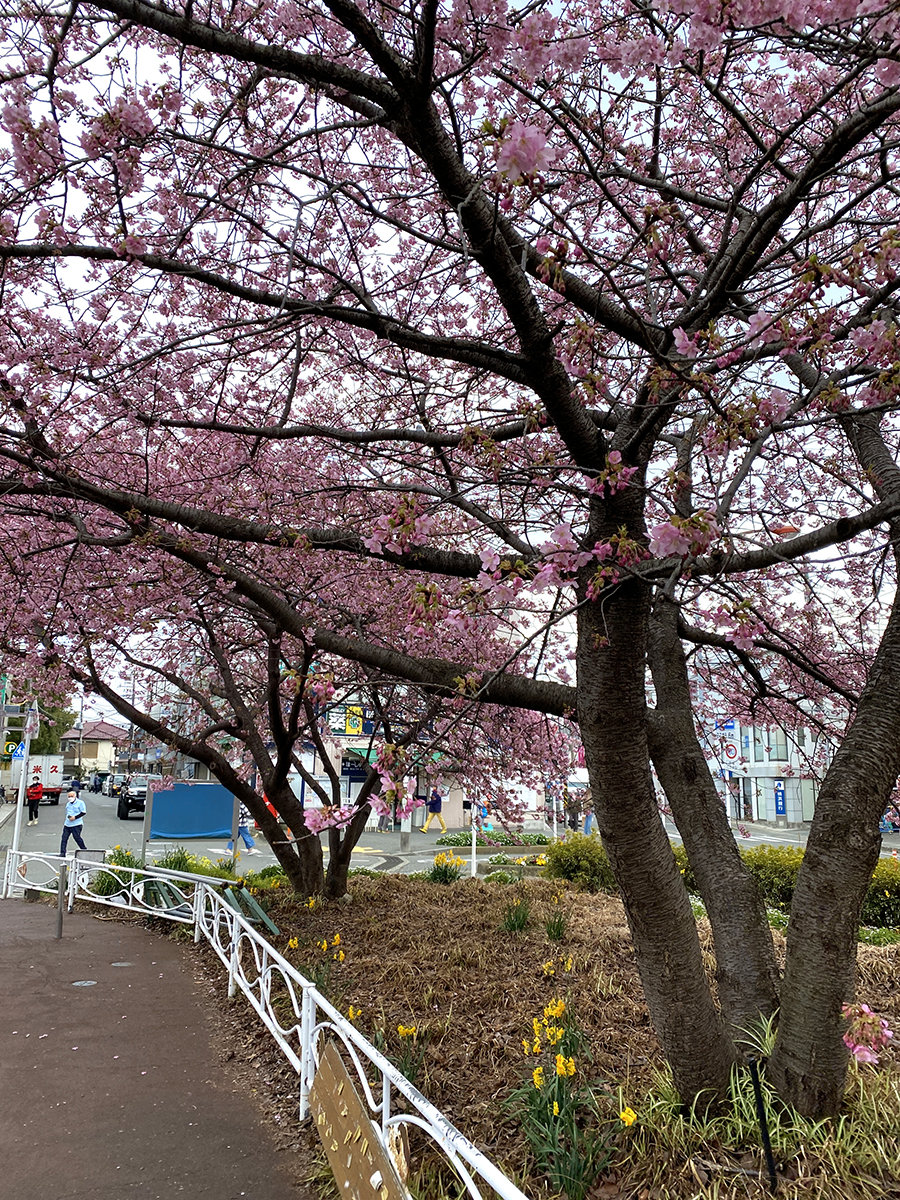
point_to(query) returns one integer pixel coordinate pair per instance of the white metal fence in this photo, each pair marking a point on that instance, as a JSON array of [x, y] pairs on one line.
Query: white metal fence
[[296, 1014]]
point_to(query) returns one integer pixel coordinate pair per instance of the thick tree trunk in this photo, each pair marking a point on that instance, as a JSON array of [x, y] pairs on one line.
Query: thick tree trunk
[[746, 971], [809, 1061], [340, 848], [612, 715], [301, 858]]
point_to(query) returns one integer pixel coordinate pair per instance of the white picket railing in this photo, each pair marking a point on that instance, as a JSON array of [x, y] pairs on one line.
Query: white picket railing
[[295, 1013]]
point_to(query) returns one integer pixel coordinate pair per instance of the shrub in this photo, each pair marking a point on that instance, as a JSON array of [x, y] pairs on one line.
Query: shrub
[[881, 906], [581, 860], [498, 838], [775, 870], [684, 866], [501, 876], [270, 872]]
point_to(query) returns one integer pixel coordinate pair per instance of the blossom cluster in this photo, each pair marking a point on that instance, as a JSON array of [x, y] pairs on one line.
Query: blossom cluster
[[867, 1033], [684, 535]]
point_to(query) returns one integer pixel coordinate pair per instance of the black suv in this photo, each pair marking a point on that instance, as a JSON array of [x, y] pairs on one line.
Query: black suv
[[133, 795]]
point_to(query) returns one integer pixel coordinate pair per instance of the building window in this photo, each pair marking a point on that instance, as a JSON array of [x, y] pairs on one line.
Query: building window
[[778, 745], [747, 798], [759, 748]]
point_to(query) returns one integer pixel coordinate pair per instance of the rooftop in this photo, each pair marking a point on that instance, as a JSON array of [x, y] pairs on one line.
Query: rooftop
[[95, 731]]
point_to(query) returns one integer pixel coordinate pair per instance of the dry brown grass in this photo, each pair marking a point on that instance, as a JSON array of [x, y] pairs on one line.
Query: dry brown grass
[[436, 957]]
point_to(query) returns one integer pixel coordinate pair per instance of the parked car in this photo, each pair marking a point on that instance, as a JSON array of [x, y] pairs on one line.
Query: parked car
[[133, 796], [112, 785]]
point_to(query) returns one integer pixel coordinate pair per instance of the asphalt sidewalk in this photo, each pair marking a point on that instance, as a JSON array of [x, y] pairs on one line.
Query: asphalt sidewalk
[[110, 1082]]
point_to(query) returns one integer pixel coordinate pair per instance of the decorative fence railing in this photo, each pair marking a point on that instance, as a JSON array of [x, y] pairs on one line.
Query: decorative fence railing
[[300, 1019]]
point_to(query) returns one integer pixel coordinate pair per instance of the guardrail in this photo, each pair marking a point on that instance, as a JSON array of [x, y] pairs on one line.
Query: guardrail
[[296, 1014]]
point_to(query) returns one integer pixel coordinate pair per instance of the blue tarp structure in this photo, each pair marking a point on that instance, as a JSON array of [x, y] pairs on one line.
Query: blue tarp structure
[[191, 810]]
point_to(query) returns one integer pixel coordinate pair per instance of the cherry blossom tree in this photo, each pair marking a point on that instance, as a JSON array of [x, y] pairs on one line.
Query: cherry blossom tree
[[502, 352]]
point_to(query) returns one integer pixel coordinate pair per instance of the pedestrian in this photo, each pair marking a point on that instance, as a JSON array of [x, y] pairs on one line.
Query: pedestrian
[[76, 786], [434, 810], [244, 832], [73, 824], [588, 811], [34, 794], [2, 794], [467, 813], [386, 821]]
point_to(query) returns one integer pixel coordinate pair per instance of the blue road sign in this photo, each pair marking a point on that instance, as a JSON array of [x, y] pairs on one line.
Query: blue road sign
[[19, 751]]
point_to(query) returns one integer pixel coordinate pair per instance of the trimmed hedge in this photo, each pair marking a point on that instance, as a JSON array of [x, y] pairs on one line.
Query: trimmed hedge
[[775, 870], [881, 907]]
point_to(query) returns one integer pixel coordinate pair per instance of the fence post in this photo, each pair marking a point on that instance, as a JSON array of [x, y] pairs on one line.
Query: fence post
[[385, 1105], [307, 1021], [198, 911], [73, 883], [232, 972], [60, 898]]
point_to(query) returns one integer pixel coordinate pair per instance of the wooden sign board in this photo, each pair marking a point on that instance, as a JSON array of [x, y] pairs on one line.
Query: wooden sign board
[[359, 1162]]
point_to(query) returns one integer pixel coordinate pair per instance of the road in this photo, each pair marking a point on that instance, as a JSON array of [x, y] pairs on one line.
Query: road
[[103, 830], [379, 851]]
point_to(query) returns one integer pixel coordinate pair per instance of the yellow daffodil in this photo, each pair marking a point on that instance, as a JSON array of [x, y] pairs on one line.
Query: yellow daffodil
[[353, 1013], [565, 1066], [549, 968], [628, 1116], [555, 1008], [538, 1076], [555, 1109], [406, 1030], [554, 1034], [336, 941], [293, 944]]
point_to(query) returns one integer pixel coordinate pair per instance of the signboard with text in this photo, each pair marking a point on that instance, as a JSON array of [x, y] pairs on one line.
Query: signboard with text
[[359, 1161], [780, 808]]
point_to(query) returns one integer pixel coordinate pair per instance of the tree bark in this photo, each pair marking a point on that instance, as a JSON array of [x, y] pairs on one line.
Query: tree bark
[[612, 714], [301, 858], [809, 1062], [746, 971], [340, 848]]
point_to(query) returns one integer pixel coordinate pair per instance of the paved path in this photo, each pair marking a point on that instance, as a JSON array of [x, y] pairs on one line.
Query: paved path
[[113, 1091]]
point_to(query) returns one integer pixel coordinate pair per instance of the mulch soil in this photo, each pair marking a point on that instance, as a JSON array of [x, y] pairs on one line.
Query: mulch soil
[[437, 958]]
